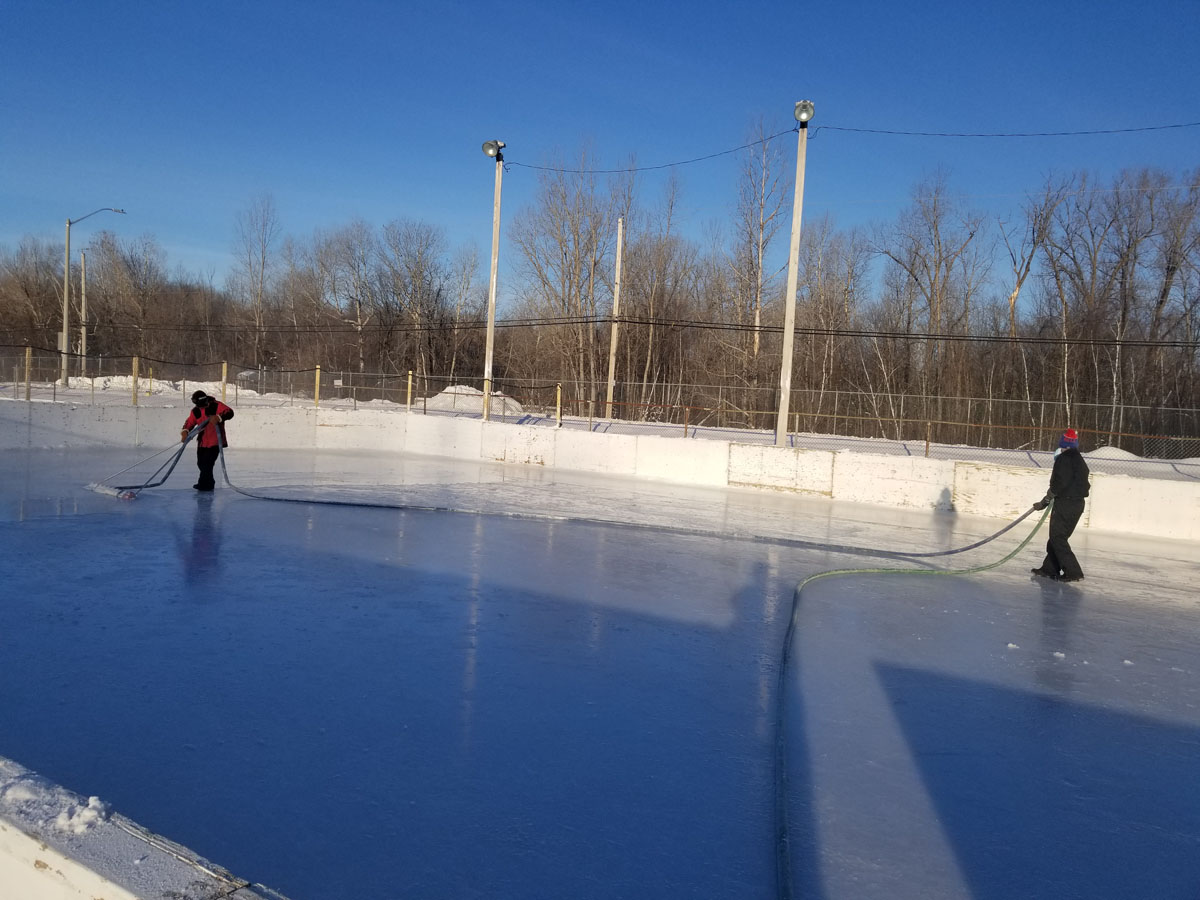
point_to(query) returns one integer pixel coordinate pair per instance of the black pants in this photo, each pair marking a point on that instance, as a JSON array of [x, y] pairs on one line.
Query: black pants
[[206, 458], [1059, 558]]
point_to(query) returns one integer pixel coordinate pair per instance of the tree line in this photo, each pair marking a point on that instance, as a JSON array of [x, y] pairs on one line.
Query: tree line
[[1086, 300]]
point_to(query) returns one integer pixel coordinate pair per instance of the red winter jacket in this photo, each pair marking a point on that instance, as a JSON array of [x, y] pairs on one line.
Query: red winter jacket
[[216, 425]]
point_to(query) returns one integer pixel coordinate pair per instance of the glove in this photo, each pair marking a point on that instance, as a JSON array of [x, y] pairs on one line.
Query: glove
[[1041, 504]]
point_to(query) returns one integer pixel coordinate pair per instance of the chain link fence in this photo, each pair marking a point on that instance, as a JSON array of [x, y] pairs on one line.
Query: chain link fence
[[1011, 432]]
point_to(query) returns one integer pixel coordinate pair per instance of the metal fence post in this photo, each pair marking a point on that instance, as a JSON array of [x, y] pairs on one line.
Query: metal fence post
[[135, 380], [28, 368], [558, 404], [408, 401], [224, 379], [317, 390]]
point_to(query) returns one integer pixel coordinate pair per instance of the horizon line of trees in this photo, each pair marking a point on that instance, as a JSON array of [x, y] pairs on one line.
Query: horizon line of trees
[[1092, 293]]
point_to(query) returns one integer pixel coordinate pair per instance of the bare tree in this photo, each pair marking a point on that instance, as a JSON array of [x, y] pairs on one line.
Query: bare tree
[[564, 240], [464, 274], [935, 246], [413, 255], [126, 287], [256, 229], [346, 263], [764, 186], [30, 279]]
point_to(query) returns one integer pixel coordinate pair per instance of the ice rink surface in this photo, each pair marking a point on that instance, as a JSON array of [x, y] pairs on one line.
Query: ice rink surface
[[569, 687]]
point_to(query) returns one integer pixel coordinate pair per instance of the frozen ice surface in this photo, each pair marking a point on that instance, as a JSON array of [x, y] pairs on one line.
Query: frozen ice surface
[[351, 702]]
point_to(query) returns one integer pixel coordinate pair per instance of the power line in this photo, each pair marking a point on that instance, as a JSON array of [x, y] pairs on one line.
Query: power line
[[660, 322], [684, 162], [846, 128], [1006, 134]]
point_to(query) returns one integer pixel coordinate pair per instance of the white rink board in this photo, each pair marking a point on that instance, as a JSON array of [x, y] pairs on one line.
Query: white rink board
[[1118, 502]]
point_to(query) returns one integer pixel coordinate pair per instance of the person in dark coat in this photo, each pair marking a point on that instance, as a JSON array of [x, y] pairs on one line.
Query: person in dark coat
[[211, 438], [1068, 488]]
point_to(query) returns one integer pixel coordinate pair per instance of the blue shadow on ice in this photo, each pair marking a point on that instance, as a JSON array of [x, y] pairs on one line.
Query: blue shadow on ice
[[1045, 797]]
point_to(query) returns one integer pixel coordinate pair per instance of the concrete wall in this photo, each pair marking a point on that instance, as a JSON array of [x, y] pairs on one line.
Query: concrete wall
[[1118, 503]]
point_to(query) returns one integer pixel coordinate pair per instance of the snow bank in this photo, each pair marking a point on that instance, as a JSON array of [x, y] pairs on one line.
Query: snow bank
[[1111, 453], [465, 399], [57, 845]]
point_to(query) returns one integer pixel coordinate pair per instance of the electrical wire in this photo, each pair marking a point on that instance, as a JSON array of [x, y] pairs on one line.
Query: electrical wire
[[1006, 134], [662, 322], [635, 169], [882, 131]]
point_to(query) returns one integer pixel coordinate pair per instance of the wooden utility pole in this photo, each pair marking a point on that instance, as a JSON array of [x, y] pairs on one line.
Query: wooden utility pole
[[612, 342]]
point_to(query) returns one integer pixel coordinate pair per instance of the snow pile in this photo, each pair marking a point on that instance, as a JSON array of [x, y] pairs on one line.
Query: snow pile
[[36, 799], [1111, 453], [154, 387], [465, 399], [77, 819]]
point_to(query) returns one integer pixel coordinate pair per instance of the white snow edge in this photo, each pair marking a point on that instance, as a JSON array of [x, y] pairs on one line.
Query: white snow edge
[[57, 844]]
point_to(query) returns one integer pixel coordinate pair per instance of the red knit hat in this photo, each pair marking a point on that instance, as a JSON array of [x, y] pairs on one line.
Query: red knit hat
[[1070, 438]]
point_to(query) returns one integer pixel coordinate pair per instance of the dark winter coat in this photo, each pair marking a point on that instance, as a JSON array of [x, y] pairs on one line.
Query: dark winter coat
[[1069, 477], [216, 416]]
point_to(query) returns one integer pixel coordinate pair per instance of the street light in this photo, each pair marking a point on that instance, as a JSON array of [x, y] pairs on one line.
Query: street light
[[492, 148], [804, 112], [65, 337]]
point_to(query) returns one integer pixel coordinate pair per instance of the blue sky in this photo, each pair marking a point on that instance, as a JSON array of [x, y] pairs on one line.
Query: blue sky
[[184, 113]]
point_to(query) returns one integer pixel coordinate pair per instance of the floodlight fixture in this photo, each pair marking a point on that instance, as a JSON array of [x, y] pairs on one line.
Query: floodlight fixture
[[493, 148], [804, 112]]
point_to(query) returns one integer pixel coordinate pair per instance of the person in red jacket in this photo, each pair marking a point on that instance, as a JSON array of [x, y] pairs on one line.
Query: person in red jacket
[[211, 438]]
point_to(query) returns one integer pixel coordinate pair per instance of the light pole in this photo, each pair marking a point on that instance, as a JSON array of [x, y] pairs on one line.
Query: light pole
[[65, 337], [82, 315], [804, 112], [492, 148]]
